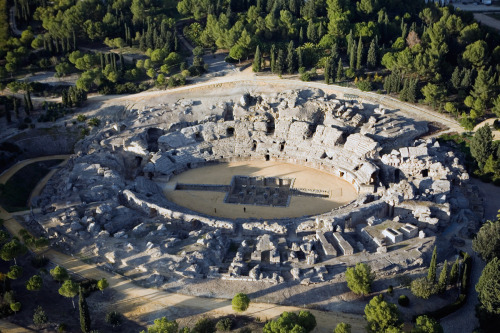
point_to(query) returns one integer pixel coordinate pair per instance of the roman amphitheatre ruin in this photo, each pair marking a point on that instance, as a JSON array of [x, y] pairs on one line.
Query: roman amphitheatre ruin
[[257, 185]]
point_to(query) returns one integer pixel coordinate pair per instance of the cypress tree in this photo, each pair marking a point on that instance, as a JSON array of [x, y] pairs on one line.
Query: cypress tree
[[443, 277], [84, 313], [312, 34], [26, 107], [454, 273], [30, 103], [16, 107], [290, 58], [321, 30], [327, 70], [456, 78], [257, 61], [301, 35], [101, 58], [273, 58], [280, 62], [352, 58], [404, 29], [412, 91], [359, 57], [122, 63], [340, 71], [387, 84], [431, 274], [299, 57], [350, 43], [334, 53], [371, 58], [403, 95]]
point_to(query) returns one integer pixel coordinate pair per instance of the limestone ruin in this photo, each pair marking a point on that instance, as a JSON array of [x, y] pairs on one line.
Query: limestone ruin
[[108, 202]]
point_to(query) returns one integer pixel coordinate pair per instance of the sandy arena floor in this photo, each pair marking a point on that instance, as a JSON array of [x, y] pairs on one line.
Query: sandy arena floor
[[212, 203]]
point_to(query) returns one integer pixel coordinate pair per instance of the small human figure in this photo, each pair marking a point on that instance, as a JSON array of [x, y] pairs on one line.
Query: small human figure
[[244, 209], [215, 210]]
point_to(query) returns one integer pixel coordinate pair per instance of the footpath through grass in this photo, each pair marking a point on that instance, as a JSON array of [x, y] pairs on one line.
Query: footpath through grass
[[15, 193]]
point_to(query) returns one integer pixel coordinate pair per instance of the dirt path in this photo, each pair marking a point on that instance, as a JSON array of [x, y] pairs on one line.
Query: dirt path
[[145, 304], [496, 133]]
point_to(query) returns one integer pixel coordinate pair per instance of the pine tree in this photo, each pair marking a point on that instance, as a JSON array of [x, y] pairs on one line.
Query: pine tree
[[359, 57], [371, 58], [481, 145], [290, 58], [443, 277], [454, 273], [273, 58], [327, 70], [257, 61], [84, 313], [352, 58], [431, 274], [280, 62], [340, 71]]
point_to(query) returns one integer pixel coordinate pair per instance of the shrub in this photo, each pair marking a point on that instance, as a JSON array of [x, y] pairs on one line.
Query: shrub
[[423, 288], [364, 85], [403, 300], [306, 76], [224, 324], [39, 261], [39, 317], [390, 290], [62, 328], [204, 325], [240, 302]]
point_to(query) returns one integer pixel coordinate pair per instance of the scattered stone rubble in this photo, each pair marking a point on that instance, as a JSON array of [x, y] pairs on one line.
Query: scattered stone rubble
[[107, 202]]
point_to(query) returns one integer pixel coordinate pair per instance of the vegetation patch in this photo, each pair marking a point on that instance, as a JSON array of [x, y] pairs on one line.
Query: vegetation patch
[[15, 193]]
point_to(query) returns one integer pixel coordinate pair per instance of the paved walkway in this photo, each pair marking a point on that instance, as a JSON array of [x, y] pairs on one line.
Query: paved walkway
[[137, 303], [487, 20]]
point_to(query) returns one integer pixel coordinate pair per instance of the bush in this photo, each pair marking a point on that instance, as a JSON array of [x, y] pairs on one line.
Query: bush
[[230, 60], [62, 328], [423, 288], [390, 290], [39, 317], [240, 302], [224, 324], [204, 325], [94, 122], [403, 300], [364, 85]]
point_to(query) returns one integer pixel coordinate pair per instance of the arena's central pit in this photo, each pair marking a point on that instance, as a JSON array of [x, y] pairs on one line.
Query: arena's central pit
[[259, 189]]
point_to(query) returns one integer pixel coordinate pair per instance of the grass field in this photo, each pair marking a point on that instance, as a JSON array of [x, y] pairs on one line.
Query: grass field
[[15, 193]]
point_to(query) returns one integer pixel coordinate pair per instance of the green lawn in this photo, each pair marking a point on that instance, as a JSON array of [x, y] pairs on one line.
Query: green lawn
[[15, 193]]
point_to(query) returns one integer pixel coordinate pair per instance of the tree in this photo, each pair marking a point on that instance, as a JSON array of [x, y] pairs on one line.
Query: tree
[[352, 57], [257, 60], [280, 62], [102, 284], [59, 274], [380, 314], [426, 324], [69, 289], [359, 278], [454, 273], [342, 328], [327, 70], [290, 58], [34, 283], [273, 58], [340, 71], [431, 274], [476, 53], [488, 287], [15, 272], [480, 145], [359, 56], [237, 52], [443, 277], [422, 288], [240, 302], [16, 306], [84, 312], [39, 317], [163, 325], [371, 58], [487, 241], [433, 93], [12, 249], [291, 322]]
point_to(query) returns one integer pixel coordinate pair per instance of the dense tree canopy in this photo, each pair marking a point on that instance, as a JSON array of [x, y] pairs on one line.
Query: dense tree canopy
[[487, 241], [381, 315], [359, 278], [488, 287]]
